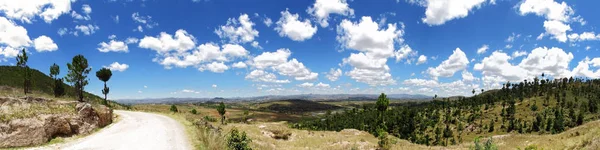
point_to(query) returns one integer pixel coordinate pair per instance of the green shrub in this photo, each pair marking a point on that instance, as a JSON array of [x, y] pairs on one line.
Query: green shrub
[[210, 119], [173, 108], [193, 111], [488, 145], [384, 141], [238, 141]]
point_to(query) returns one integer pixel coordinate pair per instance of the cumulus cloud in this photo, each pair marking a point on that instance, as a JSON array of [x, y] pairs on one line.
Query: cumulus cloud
[[458, 87], [290, 25], [322, 85], [239, 65], [113, 46], [263, 76], [334, 74], [44, 43], [26, 11], [180, 51], [583, 68], [216, 67], [516, 54], [165, 42], [422, 59], [551, 61], [557, 15], [438, 12], [116, 66], [278, 61], [557, 29], [13, 35], [456, 62], [585, 36], [375, 46], [238, 30], [306, 85], [321, 10]]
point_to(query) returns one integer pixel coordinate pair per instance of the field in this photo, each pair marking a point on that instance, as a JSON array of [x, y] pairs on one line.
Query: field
[[267, 128]]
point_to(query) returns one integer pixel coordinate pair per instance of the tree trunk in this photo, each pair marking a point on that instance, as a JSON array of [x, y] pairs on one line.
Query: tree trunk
[[104, 92]]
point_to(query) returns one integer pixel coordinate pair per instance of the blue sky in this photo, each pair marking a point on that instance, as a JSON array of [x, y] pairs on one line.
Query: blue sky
[[230, 48]]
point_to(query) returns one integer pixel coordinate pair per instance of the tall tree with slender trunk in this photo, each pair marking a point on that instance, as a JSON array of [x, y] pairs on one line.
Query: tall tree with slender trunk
[[59, 90], [78, 71], [22, 62], [104, 75]]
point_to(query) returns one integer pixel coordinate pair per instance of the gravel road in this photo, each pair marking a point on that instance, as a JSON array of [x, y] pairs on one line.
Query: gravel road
[[134, 130]]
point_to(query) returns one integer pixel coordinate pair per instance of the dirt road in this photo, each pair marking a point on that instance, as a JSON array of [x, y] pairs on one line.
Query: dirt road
[[134, 130]]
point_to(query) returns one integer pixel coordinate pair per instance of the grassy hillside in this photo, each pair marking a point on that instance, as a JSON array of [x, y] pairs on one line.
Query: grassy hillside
[[42, 84]]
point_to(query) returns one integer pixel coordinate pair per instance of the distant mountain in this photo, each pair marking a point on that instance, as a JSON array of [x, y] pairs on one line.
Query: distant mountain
[[311, 97]]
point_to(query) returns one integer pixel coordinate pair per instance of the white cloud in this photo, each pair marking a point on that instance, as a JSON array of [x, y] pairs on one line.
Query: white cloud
[[111, 37], [25, 11], [268, 59], [306, 85], [334, 74], [86, 29], [263, 76], [549, 9], [404, 52], [321, 10], [296, 69], [131, 40], [458, 87], [8, 52], [467, 76], [583, 68], [234, 50], [557, 29], [165, 43], [512, 37], [482, 49], [456, 62], [12, 34], [422, 59], [541, 36], [439, 12], [587, 48], [289, 25], [322, 85], [62, 31], [216, 67], [144, 20], [214, 86], [496, 65], [268, 22], [113, 46], [497, 69], [375, 46], [86, 8], [116, 66], [553, 61], [239, 65], [585, 36], [516, 54], [238, 30], [44, 43]]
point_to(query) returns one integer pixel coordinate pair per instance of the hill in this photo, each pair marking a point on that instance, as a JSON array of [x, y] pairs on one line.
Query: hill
[[12, 77]]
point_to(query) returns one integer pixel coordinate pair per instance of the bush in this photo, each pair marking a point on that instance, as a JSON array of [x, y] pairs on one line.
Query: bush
[[210, 119], [281, 134], [173, 108], [384, 141], [238, 141], [193, 111], [488, 145]]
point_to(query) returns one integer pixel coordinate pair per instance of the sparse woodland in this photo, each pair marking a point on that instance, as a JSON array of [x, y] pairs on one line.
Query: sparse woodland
[[541, 106]]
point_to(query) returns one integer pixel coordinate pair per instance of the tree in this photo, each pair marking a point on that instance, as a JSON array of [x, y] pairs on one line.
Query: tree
[[382, 104], [22, 62], [78, 71], [173, 108], [447, 134], [59, 89], [221, 110], [491, 126], [193, 111], [238, 141], [580, 118], [384, 142], [104, 75]]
